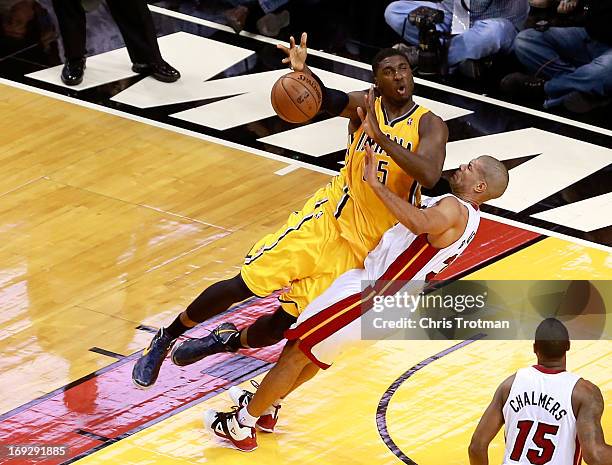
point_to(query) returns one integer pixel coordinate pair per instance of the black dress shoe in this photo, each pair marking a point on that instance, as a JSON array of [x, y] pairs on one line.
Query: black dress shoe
[[72, 72], [161, 71]]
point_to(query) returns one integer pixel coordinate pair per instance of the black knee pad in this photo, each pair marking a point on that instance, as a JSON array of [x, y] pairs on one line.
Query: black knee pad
[[239, 287]]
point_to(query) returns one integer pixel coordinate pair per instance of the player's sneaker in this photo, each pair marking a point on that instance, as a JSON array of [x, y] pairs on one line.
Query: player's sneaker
[[225, 425], [193, 350], [241, 397], [147, 367]]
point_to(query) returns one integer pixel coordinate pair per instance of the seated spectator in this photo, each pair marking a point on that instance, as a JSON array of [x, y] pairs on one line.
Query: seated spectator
[[568, 66], [486, 27]]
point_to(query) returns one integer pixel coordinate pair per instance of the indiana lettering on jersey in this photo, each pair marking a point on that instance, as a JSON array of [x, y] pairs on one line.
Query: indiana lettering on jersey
[[542, 400], [377, 148]]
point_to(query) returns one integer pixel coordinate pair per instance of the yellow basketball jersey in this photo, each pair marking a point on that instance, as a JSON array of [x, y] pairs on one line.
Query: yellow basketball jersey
[[362, 217]]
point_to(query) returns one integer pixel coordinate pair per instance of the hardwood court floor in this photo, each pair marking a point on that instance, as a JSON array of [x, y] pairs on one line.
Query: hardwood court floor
[[108, 224]]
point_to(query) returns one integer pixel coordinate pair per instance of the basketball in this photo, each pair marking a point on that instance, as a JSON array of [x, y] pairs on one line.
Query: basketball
[[296, 97]]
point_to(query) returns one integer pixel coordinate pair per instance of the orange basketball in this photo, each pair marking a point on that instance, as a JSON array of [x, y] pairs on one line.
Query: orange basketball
[[296, 97]]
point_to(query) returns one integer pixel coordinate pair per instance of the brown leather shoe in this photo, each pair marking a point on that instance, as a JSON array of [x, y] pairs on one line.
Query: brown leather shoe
[[271, 24], [236, 18]]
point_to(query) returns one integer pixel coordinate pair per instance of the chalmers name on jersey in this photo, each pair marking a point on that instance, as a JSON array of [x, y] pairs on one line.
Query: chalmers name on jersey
[[540, 425]]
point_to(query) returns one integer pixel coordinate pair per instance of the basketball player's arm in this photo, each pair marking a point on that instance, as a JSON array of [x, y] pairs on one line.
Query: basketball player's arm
[[425, 163], [335, 102], [438, 219], [489, 425], [339, 103], [588, 424]]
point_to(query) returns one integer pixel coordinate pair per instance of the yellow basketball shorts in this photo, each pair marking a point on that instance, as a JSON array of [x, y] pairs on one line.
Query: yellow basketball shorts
[[304, 256]]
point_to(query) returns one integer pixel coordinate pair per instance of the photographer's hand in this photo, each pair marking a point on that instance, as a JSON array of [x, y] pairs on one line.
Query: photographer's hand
[[567, 6]]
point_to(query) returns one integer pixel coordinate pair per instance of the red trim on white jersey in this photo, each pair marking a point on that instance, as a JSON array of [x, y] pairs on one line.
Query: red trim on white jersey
[[548, 371], [333, 318], [578, 453]]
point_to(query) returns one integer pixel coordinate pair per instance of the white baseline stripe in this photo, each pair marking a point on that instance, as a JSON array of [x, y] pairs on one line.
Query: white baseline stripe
[[268, 155], [286, 170], [359, 64]]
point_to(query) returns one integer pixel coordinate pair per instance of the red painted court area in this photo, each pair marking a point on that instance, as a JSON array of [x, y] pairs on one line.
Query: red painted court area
[[105, 406]]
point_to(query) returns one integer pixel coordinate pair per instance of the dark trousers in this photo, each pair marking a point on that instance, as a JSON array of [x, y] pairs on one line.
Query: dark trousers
[[132, 17]]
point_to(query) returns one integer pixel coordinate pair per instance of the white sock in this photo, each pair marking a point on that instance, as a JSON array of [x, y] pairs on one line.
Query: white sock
[[270, 410], [246, 419]]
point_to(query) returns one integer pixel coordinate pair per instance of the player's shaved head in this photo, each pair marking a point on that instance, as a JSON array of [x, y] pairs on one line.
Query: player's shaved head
[[483, 178], [551, 339], [496, 176]]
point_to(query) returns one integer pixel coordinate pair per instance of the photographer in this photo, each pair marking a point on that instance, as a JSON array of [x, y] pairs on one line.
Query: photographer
[[569, 66], [480, 28]]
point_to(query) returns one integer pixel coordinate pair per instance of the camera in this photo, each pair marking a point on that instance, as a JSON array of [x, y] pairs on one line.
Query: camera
[[430, 55]]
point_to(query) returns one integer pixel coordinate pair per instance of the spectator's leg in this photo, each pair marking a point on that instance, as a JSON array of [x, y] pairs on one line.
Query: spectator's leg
[[594, 78], [396, 16], [553, 52], [484, 38]]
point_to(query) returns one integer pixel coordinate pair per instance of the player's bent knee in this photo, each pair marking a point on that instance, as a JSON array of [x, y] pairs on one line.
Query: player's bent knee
[[293, 355], [299, 357]]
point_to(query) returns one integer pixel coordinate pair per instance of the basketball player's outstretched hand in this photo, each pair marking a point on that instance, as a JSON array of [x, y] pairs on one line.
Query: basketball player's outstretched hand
[[369, 167], [296, 55], [368, 116]]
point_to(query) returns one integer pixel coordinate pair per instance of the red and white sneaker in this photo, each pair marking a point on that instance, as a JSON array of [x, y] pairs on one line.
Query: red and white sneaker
[[242, 397], [225, 425]]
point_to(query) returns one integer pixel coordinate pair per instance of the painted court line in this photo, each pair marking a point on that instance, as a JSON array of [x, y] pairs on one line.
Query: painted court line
[[108, 353], [381, 410], [286, 170]]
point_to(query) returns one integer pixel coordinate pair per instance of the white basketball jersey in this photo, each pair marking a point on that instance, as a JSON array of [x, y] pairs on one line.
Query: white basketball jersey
[[540, 425], [399, 249]]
